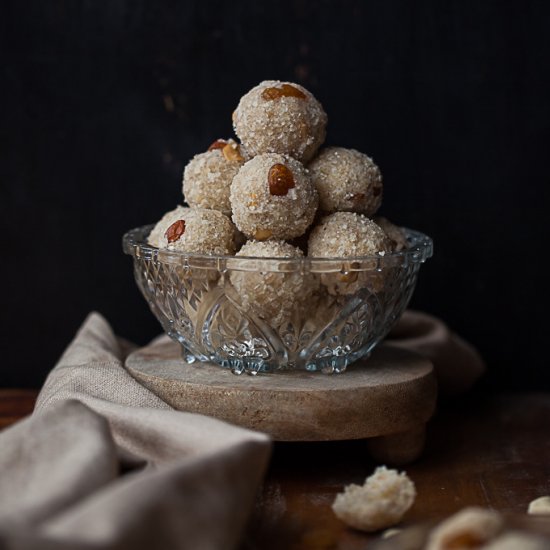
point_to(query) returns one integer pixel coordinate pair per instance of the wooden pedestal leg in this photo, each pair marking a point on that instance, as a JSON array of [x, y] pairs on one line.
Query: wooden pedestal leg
[[398, 449]]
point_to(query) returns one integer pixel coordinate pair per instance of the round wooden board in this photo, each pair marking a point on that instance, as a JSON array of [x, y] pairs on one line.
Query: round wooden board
[[392, 392]]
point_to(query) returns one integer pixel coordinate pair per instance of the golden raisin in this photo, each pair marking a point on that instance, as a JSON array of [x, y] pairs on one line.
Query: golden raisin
[[218, 144], [357, 197], [232, 152], [262, 234], [175, 231], [280, 180], [285, 90], [347, 276]]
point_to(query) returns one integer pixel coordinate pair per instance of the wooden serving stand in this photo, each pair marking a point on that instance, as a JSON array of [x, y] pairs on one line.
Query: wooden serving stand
[[386, 399]]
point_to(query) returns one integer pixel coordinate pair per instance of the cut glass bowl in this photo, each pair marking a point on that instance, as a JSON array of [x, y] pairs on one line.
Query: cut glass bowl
[[342, 308]]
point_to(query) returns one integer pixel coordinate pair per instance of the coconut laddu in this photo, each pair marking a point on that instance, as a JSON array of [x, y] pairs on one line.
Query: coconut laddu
[[349, 235], [263, 185], [270, 294], [207, 177], [196, 230], [347, 180], [157, 233], [273, 197], [280, 117]]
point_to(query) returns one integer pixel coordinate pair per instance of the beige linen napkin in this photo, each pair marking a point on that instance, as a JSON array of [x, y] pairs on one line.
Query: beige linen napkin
[[105, 464], [457, 364]]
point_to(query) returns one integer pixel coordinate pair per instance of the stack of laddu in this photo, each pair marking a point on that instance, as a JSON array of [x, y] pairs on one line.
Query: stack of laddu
[[276, 194]]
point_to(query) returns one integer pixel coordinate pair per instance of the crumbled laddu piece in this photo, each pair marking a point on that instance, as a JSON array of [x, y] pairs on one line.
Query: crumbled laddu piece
[[377, 504], [470, 528], [540, 506], [195, 230], [347, 181], [280, 117], [273, 197], [518, 540], [395, 234], [207, 177], [270, 294]]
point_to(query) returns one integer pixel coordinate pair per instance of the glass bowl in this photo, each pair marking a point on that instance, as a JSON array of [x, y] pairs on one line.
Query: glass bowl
[[274, 314]]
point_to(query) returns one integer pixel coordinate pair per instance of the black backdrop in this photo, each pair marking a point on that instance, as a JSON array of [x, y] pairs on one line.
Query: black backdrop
[[104, 102]]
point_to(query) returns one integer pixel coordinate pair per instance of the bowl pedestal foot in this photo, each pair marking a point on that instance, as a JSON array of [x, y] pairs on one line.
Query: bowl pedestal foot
[[399, 448]]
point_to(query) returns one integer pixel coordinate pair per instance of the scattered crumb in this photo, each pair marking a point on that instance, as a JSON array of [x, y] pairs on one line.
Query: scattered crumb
[[470, 528], [381, 502], [540, 506], [518, 541]]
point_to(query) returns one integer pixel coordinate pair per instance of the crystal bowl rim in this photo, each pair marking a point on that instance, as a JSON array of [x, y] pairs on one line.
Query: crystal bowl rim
[[135, 244]]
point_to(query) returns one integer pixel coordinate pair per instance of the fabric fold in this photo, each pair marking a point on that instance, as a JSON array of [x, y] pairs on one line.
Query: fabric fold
[[43, 459], [103, 463], [457, 364]]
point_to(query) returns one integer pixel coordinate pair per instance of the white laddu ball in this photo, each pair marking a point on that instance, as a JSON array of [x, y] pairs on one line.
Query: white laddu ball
[[195, 230], [156, 234], [208, 176], [280, 117], [273, 197], [346, 234], [349, 235], [347, 180], [271, 294]]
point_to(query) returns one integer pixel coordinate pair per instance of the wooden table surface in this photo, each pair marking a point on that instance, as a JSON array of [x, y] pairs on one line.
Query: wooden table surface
[[492, 451]]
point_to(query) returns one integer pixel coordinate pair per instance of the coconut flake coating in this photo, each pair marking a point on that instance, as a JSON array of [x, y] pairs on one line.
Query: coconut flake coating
[[394, 233], [377, 504], [207, 179], [162, 225], [272, 295], [261, 215], [288, 125], [347, 180], [347, 234], [202, 232]]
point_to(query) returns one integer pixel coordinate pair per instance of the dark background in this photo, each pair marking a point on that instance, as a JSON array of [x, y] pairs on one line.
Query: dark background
[[103, 103]]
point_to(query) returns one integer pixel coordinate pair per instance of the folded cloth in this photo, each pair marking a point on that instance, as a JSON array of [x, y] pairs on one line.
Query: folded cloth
[[103, 463], [457, 364]]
